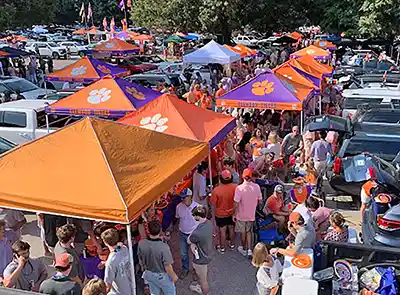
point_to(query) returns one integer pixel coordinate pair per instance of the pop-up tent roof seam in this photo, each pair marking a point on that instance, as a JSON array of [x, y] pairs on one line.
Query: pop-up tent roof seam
[[111, 173]]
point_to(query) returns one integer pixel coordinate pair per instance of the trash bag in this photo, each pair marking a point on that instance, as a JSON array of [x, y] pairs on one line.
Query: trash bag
[[388, 284]]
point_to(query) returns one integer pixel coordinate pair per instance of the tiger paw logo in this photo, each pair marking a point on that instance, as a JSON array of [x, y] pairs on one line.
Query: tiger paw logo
[[262, 88], [104, 69], [135, 93]]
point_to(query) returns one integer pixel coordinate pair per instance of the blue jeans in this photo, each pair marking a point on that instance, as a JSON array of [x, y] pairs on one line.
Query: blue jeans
[[159, 282], [184, 249]]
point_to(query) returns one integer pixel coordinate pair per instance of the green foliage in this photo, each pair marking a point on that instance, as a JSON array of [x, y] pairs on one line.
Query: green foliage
[[380, 18], [371, 18]]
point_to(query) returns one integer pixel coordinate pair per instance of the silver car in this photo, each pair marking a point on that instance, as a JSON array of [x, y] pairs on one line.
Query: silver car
[[22, 86]]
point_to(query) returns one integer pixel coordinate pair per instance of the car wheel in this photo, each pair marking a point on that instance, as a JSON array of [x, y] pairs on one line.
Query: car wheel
[[81, 54], [56, 55]]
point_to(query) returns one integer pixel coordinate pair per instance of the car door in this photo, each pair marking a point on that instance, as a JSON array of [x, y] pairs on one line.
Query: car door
[[14, 126], [43, 49]]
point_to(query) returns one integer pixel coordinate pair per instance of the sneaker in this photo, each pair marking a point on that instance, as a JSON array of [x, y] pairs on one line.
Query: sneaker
[[249, 253], [232, 247], [196, 288], [243, 252], [183, 274], [221, 250]]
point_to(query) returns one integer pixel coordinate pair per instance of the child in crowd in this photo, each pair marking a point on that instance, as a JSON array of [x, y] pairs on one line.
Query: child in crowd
[[268, 270]]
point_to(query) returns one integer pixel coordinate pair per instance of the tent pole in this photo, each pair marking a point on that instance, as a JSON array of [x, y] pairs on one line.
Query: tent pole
[[130, 246], [210, 170], [301, 121], [314, 104], [47, 123], [320, 105]]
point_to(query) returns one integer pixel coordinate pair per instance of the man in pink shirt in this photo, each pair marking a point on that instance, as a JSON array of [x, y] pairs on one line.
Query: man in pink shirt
[[247, 197]]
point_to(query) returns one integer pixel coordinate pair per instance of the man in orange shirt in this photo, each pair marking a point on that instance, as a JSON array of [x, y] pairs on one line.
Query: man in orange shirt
[[221, 91], [366, 192], [276, 206], [222, 198]]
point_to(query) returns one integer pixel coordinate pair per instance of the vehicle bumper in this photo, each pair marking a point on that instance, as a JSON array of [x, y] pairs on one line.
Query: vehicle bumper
[[372, 236], [338, 183]]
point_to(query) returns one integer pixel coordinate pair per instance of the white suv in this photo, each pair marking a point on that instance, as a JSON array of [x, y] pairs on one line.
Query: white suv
[[74, 48], [47, 49], [245, 40]]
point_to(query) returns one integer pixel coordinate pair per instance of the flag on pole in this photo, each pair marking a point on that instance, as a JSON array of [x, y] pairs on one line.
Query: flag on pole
[[129, 3], [89, 12], [121, 5], [112, 25], [82, 11], [105, 24]]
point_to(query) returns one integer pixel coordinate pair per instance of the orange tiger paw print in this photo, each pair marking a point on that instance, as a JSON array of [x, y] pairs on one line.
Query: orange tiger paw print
[[262, 88]]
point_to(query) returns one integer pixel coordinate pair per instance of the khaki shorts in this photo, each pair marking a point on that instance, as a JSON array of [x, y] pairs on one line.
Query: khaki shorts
[[243, 226], [201, 271]]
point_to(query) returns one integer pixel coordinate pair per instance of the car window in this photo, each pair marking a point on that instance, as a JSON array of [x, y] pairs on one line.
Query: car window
[[353, 102], [134, 61], [5, 145], [3, 88], [13, 119], [57, 121], [52, 44], [42, 45], [384, 149], [388, 169], [21, 85], [382, 118]]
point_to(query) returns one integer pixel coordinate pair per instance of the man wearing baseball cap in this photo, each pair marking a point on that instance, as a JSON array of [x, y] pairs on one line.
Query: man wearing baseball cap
[[222, 198], [187, 224], [304, 236], [276, 206], [247, 197], [60, 283]]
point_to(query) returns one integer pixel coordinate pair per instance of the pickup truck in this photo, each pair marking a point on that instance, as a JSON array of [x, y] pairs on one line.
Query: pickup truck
[[25, 120]]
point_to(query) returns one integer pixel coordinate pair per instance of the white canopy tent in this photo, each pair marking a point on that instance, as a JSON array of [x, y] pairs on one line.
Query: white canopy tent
[[212, 52]]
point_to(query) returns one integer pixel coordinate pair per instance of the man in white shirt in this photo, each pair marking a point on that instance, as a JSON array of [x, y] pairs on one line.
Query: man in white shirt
[[187, 225]]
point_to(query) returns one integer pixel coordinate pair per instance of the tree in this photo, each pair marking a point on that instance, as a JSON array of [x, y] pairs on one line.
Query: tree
[[7, 14], [380, 18]]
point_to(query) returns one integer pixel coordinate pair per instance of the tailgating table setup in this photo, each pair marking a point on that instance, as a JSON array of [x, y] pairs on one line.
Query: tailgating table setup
[[301, 266]]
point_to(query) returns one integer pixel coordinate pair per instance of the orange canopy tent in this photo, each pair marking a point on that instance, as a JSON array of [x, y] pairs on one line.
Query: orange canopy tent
[[79, 32], [325, 44], [107, 97], [142, 37], [245, 49], [116, 46], [314, 51], [294, 81], [311, 69], [236, 50], [86, 69], [295, 35], [105, 170], [94, 31], [173, 116]]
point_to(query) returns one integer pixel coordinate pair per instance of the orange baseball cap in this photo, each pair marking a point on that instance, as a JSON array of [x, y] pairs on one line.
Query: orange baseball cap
[[247, 173], [226, 174], [63, 260], [294, 216]]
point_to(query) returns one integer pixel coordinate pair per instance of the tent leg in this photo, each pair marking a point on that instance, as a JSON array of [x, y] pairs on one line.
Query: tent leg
[[301, 121], [47, 124], [129, 232], [210, 170], [320, 105], [314, 104]]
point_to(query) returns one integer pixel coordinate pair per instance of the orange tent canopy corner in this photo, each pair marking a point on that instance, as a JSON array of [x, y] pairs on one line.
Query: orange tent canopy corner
[[103, 170]]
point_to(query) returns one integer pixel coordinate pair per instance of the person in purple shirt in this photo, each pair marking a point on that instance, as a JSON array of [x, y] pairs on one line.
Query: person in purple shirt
[[319, 152], [7, 239]]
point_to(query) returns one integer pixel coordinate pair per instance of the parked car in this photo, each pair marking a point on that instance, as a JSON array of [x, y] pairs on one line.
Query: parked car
[[10, 84], [381, 114], [245, 40], [74, 48], [5, 145], [381, 224], [153, 79], [47, 49], [134, 65], [25, 120]]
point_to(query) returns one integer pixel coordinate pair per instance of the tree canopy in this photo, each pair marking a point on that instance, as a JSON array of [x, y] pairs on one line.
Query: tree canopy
[[367, 18]]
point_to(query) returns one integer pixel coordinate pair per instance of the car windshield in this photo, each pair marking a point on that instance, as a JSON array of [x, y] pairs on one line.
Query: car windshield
[[52, 44], [5, 145], [21, 85], [384, 149], [352, 102]]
